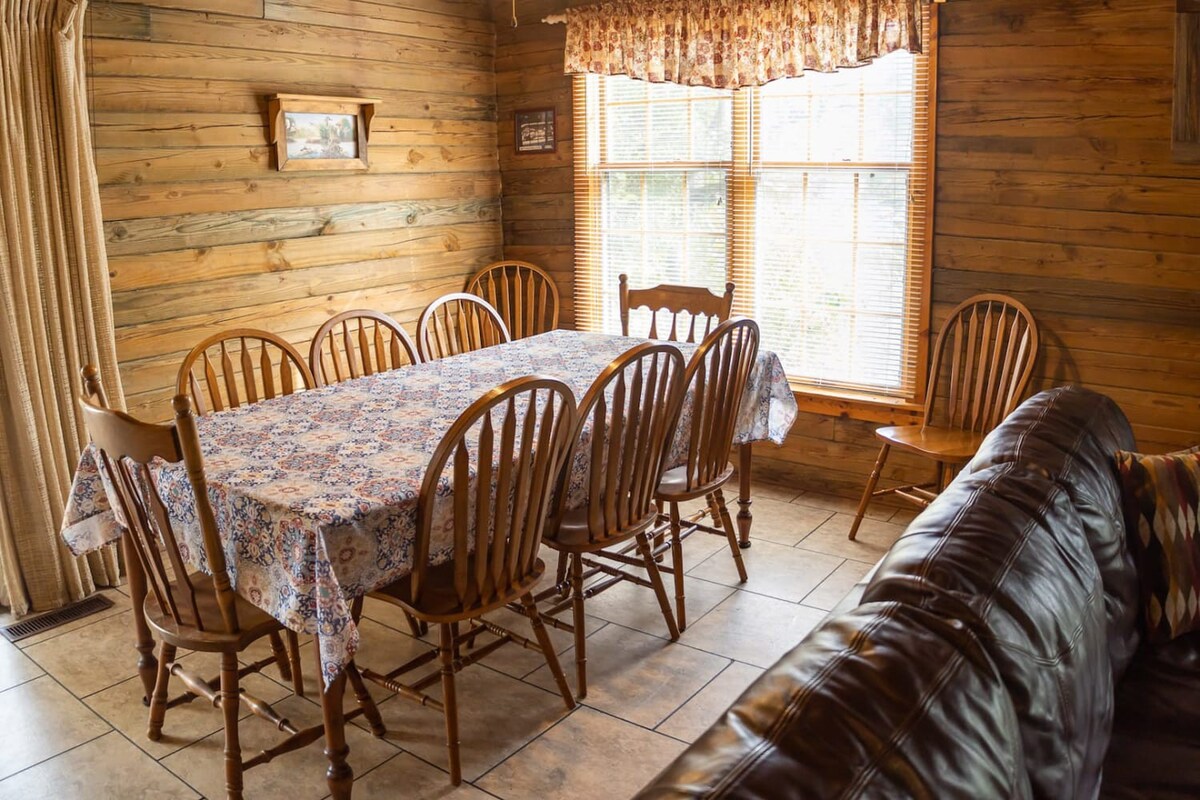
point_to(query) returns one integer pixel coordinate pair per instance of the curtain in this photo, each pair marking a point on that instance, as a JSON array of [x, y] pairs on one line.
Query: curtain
[[728, 44], [55, 306]]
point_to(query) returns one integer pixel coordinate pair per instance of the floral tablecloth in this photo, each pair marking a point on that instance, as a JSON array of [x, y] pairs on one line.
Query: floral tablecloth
[[315, 493]]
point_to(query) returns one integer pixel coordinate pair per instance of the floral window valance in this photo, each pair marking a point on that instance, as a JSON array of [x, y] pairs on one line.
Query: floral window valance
[[728, 44]]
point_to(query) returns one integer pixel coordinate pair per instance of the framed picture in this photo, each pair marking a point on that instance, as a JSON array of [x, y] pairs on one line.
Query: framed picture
[[317, 133], [535, 131]]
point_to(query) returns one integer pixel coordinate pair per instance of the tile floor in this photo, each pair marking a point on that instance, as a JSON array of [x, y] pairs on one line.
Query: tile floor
[[74, 727]]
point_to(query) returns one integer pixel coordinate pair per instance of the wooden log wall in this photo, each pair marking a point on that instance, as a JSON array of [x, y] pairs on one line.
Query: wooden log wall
[[203, 233], [1055, 183]]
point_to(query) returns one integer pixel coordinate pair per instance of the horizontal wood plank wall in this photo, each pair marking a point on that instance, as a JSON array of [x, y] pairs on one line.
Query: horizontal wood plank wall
[[539, 206], [1055, 184], [203, 233]]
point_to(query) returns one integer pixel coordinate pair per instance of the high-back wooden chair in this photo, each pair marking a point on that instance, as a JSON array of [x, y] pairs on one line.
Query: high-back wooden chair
[[241, 367], [488, 489], [694, 310], [523, 294], [192, 610], [716, 379], [357, 343], [458, 323], [982, 361], [624, 431]]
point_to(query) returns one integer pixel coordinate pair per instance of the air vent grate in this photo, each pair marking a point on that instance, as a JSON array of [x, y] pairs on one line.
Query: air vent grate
[[52, 619]]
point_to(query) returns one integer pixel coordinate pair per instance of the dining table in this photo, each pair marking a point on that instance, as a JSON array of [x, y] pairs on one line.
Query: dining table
[[315, 493]]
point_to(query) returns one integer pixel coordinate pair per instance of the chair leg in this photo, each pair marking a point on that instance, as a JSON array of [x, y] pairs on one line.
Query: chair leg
[[560, 572], [869, 492], [543, 640], [293, 648], [281, 657], [230, 705], [449, 699], [365, 701], [158, 699], [578, 620], [730, 533], [677, 568], [643, 543], [416, 627]]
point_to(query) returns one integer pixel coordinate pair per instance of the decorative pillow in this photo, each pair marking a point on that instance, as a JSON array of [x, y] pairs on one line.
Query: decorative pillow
[[1161, 496]]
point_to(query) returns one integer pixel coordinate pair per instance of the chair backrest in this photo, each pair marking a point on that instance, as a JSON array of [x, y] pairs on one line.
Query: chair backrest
[[458, 323], [240, 367], [985, 350], [357, 343], [497, 469], [523, 294], [125, 447], [624, 432], [704, 310], [716, 380]]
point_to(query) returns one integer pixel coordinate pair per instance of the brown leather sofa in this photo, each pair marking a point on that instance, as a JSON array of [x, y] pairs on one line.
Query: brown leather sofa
[[994, 653]]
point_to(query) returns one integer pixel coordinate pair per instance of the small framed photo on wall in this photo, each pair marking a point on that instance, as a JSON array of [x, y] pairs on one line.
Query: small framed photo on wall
[[535, 131], [317, 133]]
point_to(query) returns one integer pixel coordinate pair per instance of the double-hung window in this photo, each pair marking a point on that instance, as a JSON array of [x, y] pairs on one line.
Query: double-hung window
[[811, 194]]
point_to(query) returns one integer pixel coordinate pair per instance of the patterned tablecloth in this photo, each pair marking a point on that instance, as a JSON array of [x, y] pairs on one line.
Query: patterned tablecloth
[[315, 493]]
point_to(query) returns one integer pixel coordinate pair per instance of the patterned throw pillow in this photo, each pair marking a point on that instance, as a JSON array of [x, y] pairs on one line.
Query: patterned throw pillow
[[1161, 499]]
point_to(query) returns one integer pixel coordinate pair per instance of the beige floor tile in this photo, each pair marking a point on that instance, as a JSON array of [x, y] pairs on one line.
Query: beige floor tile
[[761, 489], [497, 715], [772, 569], [120, 605], [514, 660], [299, 775], [411, 778], [874, 538], [831, 590], [121, 706], [636, 606], [40, 720], [107, 768], [904, 516], [784, 523], [752, 628], [638, 677], [15, 666], [90, 658], [845, 505], [587, 756], [702, 710]]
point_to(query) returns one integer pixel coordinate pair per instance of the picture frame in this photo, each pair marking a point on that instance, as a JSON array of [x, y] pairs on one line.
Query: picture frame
[[534, 131], [316, 133]]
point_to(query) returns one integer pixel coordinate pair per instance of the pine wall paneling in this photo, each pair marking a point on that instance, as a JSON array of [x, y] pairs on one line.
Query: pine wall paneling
[[1055, 183], [203, 233]]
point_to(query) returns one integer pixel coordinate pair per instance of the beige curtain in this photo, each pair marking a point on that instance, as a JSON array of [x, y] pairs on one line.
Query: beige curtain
[[55, 307], [728, 44]]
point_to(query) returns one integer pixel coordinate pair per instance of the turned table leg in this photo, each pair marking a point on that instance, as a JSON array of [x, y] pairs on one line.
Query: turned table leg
[[147, 664], [339, 775], [744, 517]]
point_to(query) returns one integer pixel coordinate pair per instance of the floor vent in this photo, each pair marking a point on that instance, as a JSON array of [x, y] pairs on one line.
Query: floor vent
[[52, 619]]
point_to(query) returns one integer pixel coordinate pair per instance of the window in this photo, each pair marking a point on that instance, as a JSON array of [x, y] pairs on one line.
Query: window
[[811, 194]]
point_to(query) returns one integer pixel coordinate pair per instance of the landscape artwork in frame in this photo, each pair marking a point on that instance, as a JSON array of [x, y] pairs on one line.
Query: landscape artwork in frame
[[535, 131], [317, 133]]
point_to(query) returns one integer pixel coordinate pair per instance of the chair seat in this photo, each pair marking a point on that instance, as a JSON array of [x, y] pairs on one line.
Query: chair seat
[[439, 599], [573, 536], [941, 444], [254, 623], [673, 488]]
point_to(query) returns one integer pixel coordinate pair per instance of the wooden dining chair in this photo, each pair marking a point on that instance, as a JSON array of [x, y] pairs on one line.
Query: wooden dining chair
[[694, 310], [982, 361], [716, 379], [624, 431], [486, 494], [241, 367], [193, 610], [357, 343], [458, 323], [524, 295]]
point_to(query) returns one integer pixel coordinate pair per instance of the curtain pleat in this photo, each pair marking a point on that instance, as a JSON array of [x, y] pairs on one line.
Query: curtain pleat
[[55, 300]]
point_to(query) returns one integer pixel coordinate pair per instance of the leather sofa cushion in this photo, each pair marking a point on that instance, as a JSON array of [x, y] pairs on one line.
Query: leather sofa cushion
[[1071, 434], [1004, 551], [885, 700]]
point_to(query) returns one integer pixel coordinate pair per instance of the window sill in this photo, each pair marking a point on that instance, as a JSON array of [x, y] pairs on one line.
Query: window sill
[[850, 405]]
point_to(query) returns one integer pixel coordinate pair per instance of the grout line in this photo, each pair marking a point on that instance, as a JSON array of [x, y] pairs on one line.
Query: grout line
[[689, 699], [87, 708]]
